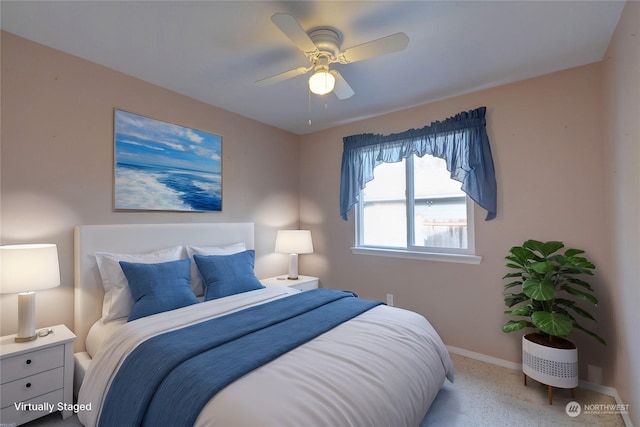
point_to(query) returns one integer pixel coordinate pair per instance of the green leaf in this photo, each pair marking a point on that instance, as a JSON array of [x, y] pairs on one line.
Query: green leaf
[[512, 275], [551, 247], [512, 284], [516, 266], [545, 249], [565, 302], [513, 299], [513, 325], [524, 310], [555, 324], [579, 282], [521, 255], [541, 290], [569, 308], [582, 262], [591, 334], [582, 312], [587, 297], [515, 262], [573, 252], [533, 245], [560, 259], [559, 310], [542, 267]]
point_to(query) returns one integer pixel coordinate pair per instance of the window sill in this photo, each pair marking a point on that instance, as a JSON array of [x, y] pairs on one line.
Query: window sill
[[428, 256]]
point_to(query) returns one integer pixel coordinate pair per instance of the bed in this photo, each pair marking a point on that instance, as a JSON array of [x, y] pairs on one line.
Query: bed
[[241, 355]]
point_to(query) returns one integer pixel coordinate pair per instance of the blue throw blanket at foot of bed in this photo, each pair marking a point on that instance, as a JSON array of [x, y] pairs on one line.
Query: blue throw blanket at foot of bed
[[168, 379]]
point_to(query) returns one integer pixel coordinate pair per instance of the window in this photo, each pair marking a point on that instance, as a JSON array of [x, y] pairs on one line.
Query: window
[[414, 205], [414, 189]]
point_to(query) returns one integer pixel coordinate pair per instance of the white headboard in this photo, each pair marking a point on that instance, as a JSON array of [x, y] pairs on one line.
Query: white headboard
[[135, 238]]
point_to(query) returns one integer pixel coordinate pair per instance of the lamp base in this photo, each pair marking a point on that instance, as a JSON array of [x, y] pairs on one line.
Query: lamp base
[[26, 339], [26, 317], [293, 267]]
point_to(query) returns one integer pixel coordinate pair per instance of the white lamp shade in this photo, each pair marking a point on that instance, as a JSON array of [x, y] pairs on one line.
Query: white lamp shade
[[294, 242], [321, 82], [25, 268]]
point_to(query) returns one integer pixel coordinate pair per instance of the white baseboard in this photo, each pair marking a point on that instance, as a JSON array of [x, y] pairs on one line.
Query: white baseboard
[[484, 358], [609, 391]]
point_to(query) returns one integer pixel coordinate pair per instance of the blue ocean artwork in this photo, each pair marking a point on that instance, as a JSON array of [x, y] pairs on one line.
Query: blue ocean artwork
[[162, 166]]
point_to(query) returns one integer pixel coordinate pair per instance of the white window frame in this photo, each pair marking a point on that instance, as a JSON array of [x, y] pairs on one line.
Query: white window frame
[[466, 255]]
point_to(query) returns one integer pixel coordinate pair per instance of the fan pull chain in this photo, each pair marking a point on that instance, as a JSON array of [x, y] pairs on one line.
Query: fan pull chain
[[309, 107], [326, 106]]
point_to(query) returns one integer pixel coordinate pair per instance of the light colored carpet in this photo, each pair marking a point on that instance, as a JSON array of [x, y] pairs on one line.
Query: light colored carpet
[[483, 395], [486, 395]]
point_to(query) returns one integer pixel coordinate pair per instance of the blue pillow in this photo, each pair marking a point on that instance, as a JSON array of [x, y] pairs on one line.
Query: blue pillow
[[158, 287], [225, 275]]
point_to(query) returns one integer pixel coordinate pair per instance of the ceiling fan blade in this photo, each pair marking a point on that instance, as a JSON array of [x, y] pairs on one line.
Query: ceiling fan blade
[[342, 88], [283, 76], [382, 46], [292, 29]]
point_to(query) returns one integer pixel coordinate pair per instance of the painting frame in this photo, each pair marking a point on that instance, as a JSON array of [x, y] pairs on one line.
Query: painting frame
[[162, 166]]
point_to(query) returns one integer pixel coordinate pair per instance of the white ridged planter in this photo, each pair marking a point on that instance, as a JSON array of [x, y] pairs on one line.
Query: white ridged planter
[[555, 367]]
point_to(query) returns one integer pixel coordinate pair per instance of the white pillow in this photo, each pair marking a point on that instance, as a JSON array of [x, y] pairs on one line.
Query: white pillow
[[196, 279], [118, 301]]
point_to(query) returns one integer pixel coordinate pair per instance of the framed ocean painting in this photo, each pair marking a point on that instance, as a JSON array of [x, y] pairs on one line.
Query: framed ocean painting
[[163, 166]]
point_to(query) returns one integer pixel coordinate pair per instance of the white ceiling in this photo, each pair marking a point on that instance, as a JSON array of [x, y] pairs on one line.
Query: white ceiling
[[215, 51]]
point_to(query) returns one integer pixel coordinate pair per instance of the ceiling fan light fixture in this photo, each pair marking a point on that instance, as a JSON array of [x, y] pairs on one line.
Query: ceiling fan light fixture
[[321, 82]]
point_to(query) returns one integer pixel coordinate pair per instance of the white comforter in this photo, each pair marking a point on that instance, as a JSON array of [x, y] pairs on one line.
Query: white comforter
[[382, 368]]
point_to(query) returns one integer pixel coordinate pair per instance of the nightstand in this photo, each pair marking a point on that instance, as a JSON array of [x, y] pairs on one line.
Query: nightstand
[[36, 377], [303, 283]]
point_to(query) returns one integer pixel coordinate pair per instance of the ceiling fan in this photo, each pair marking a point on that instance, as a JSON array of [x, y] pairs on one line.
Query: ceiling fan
[[321, 46]]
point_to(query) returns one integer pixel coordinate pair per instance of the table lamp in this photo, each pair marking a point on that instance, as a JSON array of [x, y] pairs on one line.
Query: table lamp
[[294, 242], [23, 270]]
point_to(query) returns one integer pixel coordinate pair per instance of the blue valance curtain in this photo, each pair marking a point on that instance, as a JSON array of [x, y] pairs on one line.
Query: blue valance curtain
[[461, 140]]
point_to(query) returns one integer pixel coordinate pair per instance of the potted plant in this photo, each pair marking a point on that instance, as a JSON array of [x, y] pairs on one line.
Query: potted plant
[[543, 293]]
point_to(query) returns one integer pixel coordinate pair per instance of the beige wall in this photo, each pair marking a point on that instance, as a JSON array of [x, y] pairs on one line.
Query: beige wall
[[57, 162], [546, 138], [622, 147], [565, 148]]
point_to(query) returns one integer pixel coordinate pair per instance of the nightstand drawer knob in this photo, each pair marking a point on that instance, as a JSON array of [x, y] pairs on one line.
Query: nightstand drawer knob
[[28, 385], [28, 362]]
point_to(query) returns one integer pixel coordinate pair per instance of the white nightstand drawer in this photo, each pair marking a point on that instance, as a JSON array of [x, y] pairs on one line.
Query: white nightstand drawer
[[15, 416], [29, 387], [306, 285], [31, 363]]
